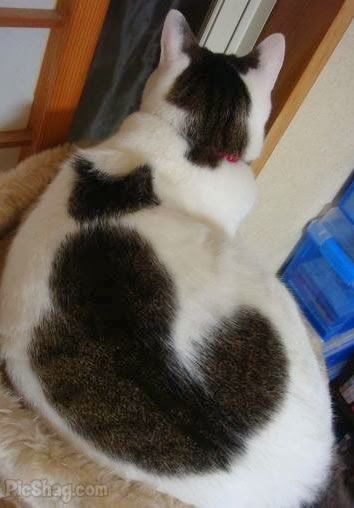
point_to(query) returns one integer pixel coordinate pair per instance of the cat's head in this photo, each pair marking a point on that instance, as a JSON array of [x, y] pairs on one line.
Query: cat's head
[[220, 103]]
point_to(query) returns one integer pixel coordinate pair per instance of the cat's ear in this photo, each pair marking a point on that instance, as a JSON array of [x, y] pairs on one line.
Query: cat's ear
[[271, 55], [177, 37]]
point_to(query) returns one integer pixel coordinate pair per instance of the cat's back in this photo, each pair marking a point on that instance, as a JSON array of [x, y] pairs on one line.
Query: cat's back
[[149, 336]]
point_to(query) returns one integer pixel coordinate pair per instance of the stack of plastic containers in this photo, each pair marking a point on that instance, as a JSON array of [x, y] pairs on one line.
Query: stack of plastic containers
[[320, 274]]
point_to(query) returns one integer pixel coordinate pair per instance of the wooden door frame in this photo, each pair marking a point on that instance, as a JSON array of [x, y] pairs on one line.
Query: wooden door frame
[[66, 62], [321, 56], [75, 26]]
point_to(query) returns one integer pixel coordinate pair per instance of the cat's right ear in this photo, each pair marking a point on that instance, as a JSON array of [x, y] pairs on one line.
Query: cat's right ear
[[177, 37], [271, 51]]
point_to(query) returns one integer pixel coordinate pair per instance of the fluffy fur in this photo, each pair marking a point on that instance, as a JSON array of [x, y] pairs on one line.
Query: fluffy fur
[[202, 309], [20, 186], [29, 448]]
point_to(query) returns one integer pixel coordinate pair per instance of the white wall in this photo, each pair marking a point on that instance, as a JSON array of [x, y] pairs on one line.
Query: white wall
[[21, 54], [311, 161]]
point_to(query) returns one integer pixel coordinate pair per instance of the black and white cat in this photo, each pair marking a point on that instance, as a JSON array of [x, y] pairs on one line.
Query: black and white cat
[[133, 319]]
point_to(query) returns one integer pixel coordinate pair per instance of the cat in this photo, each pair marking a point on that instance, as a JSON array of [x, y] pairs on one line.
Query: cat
[[133, 319]]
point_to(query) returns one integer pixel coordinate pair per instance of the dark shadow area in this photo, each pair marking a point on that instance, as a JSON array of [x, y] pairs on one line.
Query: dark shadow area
[[126, 54]]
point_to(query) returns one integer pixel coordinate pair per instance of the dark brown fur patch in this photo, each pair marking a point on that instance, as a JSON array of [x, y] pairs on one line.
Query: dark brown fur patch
[[216, 99], [96, 194], [105, 360]]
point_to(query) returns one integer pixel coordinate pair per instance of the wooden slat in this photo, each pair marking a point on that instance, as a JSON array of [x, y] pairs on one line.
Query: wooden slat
[[66, 62], [30, 18], [304, 23], [10, 139], [308, 78]]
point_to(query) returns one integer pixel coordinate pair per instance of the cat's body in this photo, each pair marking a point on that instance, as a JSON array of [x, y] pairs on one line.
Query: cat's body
[[134, 320]]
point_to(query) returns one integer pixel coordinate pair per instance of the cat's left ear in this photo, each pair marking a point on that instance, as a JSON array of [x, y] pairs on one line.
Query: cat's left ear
[[271, 56], [177, 37]]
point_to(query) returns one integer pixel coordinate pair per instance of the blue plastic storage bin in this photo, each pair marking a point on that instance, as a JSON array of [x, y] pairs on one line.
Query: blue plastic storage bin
[[337, 351], [320, 274]]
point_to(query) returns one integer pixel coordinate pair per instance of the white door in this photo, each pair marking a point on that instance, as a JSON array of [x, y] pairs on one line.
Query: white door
[[234, 25]]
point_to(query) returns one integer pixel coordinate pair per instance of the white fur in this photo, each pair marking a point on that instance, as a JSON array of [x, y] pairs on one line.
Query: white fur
[[260, 83], [172, 38], [194, 233], [289, 458]]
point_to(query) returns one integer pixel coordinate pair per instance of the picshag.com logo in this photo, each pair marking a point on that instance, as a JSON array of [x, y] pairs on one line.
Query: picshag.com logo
[[44, 488]]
